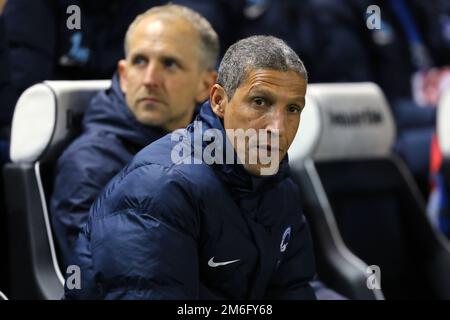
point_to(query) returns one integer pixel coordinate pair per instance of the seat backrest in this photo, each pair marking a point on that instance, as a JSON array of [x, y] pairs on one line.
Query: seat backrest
[[443, 135], [46, 118], [3, 296], [443, 124], [362, 199], [343, 121]]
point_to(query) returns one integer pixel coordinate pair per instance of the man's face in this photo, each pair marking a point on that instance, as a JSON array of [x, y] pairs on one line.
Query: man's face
[[162, 77], [268, 101]]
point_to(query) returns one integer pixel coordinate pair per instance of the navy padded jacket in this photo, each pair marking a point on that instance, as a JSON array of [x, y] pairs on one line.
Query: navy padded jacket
[[111, 137], [165, 230]]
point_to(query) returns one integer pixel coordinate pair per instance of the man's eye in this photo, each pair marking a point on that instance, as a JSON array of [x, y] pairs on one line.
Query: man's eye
[[294, 108], [259, 102], [170, 63], [139, 61]]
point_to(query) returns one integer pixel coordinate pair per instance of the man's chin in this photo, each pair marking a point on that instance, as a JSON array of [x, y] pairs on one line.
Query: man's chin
[[152, 118], [261, 170]]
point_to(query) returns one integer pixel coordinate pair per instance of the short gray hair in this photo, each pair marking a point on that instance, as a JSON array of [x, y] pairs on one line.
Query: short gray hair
[[256, 52], [209, 40]]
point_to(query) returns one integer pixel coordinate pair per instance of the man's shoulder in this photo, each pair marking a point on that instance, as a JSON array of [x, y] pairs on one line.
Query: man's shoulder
[[94, 141], [99, 150], [154, 170], [167, 154], [152, 184], [83, 169]]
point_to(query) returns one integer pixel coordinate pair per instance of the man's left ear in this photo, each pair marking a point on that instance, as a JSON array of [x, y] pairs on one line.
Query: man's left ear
[[218, 100], [208, 80], [122, 69]]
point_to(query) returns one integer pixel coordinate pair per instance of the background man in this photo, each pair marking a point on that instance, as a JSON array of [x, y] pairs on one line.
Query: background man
[[171, 52]]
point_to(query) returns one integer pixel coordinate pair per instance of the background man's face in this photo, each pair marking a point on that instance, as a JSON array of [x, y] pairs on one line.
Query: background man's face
[[268, 100], [162, 77]]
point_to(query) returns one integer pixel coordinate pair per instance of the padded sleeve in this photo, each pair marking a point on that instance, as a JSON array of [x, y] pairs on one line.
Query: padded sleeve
[[142, 239], [81, 173]]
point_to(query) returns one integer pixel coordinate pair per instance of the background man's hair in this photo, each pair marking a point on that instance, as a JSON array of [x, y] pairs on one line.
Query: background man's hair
[[209, 40], [256, 52]]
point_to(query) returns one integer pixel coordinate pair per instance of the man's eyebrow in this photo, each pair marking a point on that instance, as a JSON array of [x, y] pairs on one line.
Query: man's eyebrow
[[170, 57], [259, 91], [161, 56], [301, 98], [136, 54]]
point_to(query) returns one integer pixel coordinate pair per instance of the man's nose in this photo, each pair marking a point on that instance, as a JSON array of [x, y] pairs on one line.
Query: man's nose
[[277, 122], [152, 76]]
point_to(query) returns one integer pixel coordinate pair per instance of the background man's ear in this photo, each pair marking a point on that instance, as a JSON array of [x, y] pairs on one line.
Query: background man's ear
[[219, 100], [122, 68], [207, 81]]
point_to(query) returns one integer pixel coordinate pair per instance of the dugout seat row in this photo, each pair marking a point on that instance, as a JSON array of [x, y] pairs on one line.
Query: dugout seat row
[[362, 204]]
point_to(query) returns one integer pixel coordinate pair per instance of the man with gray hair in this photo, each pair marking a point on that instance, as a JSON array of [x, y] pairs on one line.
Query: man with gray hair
[[196, 229]]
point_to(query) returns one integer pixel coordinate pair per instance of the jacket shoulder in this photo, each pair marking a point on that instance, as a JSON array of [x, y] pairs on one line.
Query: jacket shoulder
[[95, 146], [91, 160]]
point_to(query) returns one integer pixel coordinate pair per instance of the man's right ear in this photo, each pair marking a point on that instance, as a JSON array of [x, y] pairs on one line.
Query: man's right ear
[[218, 99], [122, 68]]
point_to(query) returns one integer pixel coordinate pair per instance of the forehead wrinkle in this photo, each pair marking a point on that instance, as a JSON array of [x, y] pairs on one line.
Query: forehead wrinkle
[[267, 87], [274, 81], [162, 25], [273, 77], [159, 42], [160, 32], [161, 52]]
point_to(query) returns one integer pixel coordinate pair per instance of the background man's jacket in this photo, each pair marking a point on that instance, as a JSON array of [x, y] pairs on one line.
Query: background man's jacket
[[111, 137]]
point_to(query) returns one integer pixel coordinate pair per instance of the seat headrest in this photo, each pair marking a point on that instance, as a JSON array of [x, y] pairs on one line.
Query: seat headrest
[[443, 124], [45, 117], [344, 121]]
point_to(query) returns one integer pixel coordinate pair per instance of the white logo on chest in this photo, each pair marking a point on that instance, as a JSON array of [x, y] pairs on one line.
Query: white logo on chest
[[213, 264], [285, 239]]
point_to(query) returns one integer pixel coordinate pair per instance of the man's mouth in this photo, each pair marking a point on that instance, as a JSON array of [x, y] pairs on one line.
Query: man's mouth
[[150, 100], [268, 147]]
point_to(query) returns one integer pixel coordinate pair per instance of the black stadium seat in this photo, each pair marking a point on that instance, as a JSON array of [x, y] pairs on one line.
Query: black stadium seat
[[361, 201], [443, 133], [46, 118]]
